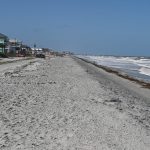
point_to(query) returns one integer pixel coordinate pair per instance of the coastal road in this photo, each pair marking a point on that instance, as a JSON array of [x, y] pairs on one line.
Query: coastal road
[[66, 104]]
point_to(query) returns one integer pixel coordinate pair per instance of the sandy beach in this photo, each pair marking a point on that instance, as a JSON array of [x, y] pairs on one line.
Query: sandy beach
[[64, 103]]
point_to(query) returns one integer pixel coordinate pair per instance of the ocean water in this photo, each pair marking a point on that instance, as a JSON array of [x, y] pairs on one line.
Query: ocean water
[[137, 67]]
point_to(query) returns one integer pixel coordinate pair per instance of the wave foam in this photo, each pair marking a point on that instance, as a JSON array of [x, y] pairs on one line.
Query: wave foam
[[145, 71]]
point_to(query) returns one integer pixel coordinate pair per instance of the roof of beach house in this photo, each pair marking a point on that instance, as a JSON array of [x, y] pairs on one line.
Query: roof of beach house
[[3, 36]]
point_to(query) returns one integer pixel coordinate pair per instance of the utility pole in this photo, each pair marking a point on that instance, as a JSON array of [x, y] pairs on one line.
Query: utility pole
[[34, 48]]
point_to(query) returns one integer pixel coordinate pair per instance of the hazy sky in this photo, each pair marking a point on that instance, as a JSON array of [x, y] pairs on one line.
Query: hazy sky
[[118, 27]]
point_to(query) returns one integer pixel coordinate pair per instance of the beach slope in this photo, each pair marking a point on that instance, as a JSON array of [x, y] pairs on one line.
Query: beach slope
[[65, 103]]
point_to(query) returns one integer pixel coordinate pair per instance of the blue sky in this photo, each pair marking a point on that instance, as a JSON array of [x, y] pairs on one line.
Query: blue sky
[[111, 27]]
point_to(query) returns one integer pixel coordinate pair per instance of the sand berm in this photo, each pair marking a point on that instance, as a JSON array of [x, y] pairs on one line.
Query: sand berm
[[64, 103]]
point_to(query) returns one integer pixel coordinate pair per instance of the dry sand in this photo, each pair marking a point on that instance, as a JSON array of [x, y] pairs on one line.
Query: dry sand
[[59, 104]]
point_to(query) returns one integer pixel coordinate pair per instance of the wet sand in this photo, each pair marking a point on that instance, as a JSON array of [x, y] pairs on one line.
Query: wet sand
[[66, 103]]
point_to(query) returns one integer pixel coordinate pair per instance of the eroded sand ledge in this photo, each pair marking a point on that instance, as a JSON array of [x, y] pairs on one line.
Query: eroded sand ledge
[[59, 104]]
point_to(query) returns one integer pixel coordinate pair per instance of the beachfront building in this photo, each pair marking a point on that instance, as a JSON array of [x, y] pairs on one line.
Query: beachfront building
[[25, 50], [37, 51], [14, 46], [3, 43]]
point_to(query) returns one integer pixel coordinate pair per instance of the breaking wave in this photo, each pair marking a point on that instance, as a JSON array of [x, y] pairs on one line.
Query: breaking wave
[[138, 67]]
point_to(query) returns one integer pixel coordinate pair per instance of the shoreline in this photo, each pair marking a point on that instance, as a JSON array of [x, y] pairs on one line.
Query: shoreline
[[97, 72], [118, 73]]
